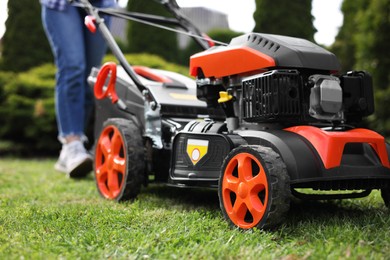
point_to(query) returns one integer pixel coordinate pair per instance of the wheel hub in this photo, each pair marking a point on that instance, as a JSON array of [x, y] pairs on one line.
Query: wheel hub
[[243, 190]]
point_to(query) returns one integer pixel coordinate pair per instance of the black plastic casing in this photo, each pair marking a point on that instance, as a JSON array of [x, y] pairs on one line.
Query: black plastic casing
[[206, 172], [289, 52], [358, 95]]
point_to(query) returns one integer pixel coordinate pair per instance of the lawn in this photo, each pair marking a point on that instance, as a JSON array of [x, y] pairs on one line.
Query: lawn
[[44, 215]]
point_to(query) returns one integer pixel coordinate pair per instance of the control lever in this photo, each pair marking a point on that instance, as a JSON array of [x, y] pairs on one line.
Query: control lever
[[108, 70]]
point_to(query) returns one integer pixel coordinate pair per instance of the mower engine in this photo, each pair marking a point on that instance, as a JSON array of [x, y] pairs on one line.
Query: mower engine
[[283, 80]]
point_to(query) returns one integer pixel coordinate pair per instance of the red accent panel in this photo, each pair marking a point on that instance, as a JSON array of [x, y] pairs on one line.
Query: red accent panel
[[330, 145], [209, 40], [150, 74], [89, 22], [226, 61], [108, 67]]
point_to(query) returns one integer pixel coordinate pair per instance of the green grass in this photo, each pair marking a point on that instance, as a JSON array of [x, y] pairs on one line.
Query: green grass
[[44, 215]]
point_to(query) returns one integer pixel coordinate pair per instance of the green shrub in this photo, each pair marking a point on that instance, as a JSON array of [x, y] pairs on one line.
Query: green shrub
[[27, 116], [5, 77]]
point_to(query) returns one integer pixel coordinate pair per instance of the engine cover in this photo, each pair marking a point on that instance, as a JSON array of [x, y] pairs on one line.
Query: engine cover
[[256, 51]]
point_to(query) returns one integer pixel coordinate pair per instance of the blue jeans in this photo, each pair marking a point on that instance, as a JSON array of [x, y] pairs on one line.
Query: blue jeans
[[76, 51]]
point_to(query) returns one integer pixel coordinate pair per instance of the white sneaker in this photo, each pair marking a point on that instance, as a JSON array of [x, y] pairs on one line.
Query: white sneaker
[[74, 160]]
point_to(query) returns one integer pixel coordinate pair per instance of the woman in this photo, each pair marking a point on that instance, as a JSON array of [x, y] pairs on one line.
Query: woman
[[76, 51]]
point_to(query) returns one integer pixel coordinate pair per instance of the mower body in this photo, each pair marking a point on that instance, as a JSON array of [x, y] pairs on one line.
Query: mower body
[[263, 103]]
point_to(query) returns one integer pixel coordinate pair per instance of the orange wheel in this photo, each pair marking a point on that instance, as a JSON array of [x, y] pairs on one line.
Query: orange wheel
[[119, 162], [253, 186]]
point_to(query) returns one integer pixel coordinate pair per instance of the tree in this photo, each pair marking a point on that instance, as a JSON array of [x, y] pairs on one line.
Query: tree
[[372, 41], [285, 17], [147, 39], [345, 43], [24, 42], [362, 44], [373, 55]]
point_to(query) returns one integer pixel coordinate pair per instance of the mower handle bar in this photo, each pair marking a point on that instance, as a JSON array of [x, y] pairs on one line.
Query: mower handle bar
[[171, 6], [92, 11]]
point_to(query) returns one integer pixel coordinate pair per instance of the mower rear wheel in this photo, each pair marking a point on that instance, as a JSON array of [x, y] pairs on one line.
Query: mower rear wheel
[[254, 188], [119, 160], [386, 197]]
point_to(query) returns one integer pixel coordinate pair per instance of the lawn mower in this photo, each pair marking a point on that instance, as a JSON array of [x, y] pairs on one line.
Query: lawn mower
[[265, 118]]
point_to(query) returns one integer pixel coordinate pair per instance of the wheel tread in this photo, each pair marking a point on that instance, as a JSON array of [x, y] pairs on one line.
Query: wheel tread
[[278, 181], [135, 157]]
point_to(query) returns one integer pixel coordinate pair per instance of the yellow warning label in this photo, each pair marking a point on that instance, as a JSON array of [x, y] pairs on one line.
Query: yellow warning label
[[196, 149], [183, 96]]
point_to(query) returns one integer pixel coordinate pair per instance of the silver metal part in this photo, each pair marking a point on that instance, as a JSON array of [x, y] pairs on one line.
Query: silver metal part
[[207, 81], [326, 98], [232, 123], [152, 120]]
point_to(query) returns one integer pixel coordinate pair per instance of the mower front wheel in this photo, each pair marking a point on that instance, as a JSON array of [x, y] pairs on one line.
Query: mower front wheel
[[119, 160], [254, 188]]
